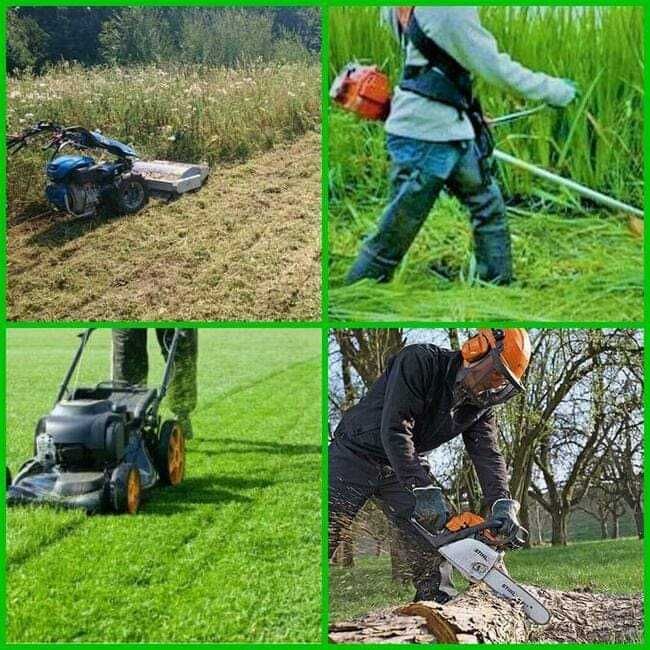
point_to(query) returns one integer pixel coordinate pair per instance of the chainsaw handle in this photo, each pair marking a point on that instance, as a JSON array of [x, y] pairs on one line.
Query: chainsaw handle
[[444, 538]]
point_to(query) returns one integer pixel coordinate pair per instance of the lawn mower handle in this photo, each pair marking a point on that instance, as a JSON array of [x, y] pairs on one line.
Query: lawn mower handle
[[84, 336], [169, 365]]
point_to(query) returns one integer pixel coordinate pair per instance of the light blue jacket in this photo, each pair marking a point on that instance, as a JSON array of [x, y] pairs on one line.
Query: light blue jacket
[[459, 32]]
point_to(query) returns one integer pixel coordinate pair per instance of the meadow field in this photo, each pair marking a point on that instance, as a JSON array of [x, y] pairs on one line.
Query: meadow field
[[207, 561], [246, 246], [571, 259]]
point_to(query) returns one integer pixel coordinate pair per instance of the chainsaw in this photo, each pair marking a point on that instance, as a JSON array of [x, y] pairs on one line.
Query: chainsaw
[[469, 545]]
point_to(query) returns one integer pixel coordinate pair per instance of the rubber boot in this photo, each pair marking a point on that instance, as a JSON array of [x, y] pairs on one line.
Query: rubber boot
[[437, 585], [493, 256]]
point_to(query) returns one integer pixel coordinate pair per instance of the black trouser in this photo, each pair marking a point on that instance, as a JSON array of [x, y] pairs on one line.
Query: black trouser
[[353, 480], [131, 363]]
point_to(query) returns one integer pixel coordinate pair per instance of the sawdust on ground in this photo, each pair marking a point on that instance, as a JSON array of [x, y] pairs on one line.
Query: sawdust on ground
[[247, 246], [576, 617]]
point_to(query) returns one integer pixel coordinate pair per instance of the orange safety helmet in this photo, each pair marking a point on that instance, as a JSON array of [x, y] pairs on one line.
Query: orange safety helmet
[[495, 362]]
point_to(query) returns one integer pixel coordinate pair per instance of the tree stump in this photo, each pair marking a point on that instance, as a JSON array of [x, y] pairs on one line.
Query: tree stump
[[478, 616]]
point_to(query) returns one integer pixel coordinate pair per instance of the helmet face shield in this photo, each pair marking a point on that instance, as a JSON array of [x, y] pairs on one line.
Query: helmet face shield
[[485, 383]]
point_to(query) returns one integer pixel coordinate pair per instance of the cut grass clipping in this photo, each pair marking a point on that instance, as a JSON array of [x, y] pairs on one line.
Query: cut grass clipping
[[233, 554], [571, 260], [612, 566]]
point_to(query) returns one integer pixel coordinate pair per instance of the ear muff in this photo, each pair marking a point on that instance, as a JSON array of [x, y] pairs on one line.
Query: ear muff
[[478, 346]]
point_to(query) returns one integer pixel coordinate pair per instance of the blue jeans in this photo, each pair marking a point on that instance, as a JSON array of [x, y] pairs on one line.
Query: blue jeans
[[419, 171]]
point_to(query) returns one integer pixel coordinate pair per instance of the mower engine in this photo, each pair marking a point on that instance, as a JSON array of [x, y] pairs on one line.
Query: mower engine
[[81, 435], [78, 185]]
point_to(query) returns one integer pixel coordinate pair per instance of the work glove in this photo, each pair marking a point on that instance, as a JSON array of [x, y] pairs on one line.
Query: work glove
[[506, 511], [573, 92], [431, 510]]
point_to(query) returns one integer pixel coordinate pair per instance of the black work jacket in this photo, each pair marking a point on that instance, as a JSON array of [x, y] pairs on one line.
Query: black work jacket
[[408, 411]]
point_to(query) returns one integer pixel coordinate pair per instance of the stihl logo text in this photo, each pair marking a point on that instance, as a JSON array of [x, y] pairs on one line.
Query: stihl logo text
[[480, 553]]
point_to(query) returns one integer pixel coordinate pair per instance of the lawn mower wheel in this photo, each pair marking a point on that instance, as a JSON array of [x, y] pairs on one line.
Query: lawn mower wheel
[[170, 459], [126, 489]]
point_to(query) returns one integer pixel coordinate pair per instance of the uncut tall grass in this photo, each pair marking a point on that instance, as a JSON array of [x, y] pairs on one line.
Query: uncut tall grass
[[184, 113], [597, 140]]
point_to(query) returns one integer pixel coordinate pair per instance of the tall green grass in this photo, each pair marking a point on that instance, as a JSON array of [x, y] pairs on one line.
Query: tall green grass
[[571, 262], [597, 140], [186, 113]]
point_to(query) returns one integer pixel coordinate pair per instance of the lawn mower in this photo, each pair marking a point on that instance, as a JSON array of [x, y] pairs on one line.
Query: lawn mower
[[80, 186], [102, 446]]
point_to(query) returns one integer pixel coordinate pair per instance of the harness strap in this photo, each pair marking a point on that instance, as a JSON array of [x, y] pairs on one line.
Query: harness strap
[[443, 79], [432, 52]]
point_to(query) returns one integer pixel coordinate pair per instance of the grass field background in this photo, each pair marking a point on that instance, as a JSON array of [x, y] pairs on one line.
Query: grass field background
[[233, 554], [571, 260], [612, 566], [184, 113]]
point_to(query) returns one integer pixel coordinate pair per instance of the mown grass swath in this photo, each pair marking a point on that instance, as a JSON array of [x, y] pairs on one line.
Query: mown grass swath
[[571, 259], [208, 561], [187, 113]]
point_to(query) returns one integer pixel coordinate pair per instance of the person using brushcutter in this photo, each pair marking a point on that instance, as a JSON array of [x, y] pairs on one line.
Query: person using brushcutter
[[426, 397], [131, 364], [437, 136]]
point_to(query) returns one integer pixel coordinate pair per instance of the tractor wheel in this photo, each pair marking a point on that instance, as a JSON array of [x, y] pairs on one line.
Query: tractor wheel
[[131, 194], [170, 459], [126, 489]]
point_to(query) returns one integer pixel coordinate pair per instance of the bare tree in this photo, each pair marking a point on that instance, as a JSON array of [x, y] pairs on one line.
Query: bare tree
[[368, 350], [583, 428]]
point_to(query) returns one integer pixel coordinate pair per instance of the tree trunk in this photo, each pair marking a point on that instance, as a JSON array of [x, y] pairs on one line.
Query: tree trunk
[[344, 554], [524, 518], [604, 533], [638, 520], [538, 523], [400, 569], [615, 526], [558, 533], [477, 616]]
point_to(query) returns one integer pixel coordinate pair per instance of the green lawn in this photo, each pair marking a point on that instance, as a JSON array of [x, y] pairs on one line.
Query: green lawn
[[231, 555], [603, 566]]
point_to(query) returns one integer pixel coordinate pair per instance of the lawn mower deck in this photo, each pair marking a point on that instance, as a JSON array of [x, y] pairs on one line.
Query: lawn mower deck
[[101, 447], [171, 178]]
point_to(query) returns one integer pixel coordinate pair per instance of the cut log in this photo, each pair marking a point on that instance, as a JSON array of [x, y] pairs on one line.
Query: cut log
[[477, 616]]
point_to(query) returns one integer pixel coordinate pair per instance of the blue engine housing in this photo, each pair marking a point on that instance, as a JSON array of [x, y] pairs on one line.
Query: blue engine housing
[[57, 195], [62, 166]]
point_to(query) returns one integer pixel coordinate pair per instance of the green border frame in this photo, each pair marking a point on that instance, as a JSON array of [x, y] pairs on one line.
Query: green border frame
[[324, 324]]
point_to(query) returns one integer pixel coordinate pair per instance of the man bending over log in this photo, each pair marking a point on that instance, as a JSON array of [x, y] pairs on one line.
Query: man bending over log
[[426, 397]]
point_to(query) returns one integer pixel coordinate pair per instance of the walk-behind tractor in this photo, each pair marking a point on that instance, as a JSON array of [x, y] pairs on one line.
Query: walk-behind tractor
[[101, 447], [80, 185]]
